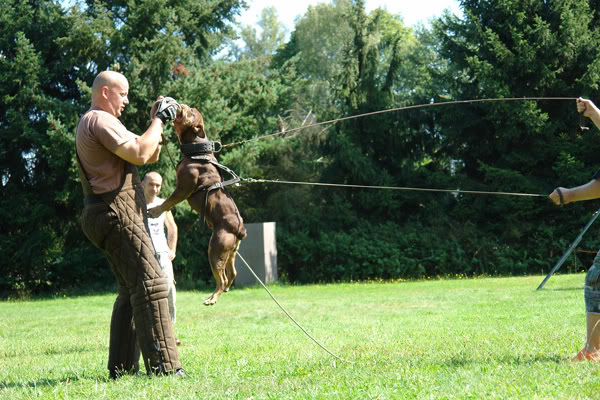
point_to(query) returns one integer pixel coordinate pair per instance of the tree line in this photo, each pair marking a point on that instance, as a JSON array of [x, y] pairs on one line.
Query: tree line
[[338, 61]]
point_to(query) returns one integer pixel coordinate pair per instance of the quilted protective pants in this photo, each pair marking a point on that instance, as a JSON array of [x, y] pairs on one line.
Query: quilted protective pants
[[116, 223]]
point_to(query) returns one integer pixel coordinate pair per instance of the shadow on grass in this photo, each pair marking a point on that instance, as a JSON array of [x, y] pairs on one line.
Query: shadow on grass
[[92, 290], [49, 382], [51, 351], [563, 289], [43, 382], [54, 351], [512, 360]]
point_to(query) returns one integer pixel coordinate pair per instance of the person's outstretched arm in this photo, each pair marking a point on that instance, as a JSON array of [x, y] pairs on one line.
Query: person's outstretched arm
[[589, 109], [589, 191]]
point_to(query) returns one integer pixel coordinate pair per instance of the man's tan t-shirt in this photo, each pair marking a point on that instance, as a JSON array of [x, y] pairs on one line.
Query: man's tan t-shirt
[[98, 136]]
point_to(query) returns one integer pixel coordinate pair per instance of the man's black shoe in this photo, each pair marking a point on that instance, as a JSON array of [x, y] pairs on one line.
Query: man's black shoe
[[180, 373]]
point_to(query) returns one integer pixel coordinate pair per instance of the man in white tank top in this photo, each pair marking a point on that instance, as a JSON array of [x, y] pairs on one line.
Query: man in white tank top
[[164, 245]]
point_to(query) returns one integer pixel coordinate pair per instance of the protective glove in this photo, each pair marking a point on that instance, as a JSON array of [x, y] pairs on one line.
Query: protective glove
[[166, 109]]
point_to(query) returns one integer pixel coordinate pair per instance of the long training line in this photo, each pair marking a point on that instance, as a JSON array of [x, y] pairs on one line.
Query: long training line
[[288, 314], [446, 103], [458, 191]]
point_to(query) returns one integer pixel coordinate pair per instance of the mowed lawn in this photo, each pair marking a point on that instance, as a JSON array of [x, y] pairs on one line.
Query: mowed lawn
[[465, 338]]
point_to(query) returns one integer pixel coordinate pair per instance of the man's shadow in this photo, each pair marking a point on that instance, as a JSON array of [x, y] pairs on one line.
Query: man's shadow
[[40, 382]]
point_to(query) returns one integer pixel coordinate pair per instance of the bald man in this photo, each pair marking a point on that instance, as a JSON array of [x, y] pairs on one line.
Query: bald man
[[114, 220]]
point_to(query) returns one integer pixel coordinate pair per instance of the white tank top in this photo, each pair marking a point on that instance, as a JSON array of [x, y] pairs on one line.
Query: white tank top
[[157, 228]]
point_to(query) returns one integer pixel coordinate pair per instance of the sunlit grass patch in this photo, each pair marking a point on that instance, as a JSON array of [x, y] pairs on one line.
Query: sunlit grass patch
[[458, 338]]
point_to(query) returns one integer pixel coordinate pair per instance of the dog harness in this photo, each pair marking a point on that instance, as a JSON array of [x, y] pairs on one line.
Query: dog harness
[[201, 152]]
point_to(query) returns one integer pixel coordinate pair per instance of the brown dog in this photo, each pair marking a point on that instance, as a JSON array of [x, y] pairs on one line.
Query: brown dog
[[197, 175]]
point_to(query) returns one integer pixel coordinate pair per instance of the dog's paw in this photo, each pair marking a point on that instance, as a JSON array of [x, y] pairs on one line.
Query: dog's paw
[[211, 301], [155, 212]]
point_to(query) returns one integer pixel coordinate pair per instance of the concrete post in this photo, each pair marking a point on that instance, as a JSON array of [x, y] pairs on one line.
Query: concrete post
[[259, 249]]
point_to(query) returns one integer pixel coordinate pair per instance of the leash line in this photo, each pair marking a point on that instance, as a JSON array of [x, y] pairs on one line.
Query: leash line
[[166, 144], [445, 103], [288, 314], [458, 191]]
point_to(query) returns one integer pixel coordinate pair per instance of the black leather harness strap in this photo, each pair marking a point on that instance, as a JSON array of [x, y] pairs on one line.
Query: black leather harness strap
[[222, 184], [200, 148], [93, 199], [201, 152]]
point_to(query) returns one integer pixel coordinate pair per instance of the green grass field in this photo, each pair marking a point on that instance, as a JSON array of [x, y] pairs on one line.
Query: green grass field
[[476, 338]]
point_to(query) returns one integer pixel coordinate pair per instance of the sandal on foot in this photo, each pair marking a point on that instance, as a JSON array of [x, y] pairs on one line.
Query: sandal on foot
[[584, 355]]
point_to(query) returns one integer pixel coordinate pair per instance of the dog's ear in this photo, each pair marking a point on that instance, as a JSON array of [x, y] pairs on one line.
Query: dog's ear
[[199, 123]]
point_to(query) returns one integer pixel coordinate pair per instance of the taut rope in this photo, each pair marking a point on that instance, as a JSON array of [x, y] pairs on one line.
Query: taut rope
[[446, 103], [457, 191]]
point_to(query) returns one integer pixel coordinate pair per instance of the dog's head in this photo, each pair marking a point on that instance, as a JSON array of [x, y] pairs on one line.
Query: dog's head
[[189, 120]]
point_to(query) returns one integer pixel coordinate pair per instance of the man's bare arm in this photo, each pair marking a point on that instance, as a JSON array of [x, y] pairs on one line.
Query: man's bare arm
[[172, 233], [146, 148], [156, 156]]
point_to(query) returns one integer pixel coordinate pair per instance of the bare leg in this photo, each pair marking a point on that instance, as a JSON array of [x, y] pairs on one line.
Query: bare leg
[[591, 350]]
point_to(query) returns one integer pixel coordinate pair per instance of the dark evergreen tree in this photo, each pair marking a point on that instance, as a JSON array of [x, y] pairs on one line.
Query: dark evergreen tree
[[49, 57], [520, 48]]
